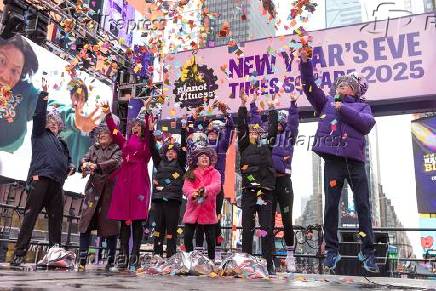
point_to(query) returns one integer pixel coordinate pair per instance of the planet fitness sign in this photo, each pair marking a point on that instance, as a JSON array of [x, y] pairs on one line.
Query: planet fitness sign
[[196, 85], [396, 56]]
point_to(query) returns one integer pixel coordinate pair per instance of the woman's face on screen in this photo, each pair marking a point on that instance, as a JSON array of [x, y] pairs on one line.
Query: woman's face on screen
[[11, 65]]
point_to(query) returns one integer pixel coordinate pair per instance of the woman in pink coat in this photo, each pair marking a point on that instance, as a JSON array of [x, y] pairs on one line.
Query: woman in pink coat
[[131, 194], [202, 184]]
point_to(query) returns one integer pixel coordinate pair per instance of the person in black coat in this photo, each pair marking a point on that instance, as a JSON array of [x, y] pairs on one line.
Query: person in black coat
[[258, 181], [167, 195], [49, 168]]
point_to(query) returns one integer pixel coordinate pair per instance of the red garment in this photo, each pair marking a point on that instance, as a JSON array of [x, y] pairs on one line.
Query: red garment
[[131, 194], [202, 213]]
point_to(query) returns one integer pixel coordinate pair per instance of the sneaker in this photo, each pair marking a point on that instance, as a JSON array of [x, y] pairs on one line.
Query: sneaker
[[331, 259], [290, 263], [81, 268], [17, 261], [132, 268], [369, 263], [108, 266]]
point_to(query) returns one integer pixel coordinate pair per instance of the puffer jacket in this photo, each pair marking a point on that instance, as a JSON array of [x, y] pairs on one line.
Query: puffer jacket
[[283, 149], [340, 132], [168, 178], [205, 212], [256, 159], [221, 145], [50, 155]]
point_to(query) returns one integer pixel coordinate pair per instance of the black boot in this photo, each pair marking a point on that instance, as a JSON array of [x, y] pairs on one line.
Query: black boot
[[17, 261], [270, 268], [83, 257], [110, 263]]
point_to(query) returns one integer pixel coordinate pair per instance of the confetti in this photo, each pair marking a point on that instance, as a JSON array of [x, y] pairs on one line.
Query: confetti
[[332, 183], [260, 201]]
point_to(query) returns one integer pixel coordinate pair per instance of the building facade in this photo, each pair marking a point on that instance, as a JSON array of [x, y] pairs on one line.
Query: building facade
[[245, 20], [343, 12]]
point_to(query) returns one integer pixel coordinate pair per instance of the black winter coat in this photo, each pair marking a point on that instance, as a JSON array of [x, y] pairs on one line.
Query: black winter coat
[[50, 155], [169, 176], [256, 160]]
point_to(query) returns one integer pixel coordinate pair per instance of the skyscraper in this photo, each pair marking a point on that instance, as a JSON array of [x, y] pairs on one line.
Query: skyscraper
[[244, 17], [388, 218], [429, 5], [343, 12], [313, 210]]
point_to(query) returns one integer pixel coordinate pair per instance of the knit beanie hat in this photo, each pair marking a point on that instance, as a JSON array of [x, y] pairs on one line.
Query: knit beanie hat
[[357, 82], [55, 115]]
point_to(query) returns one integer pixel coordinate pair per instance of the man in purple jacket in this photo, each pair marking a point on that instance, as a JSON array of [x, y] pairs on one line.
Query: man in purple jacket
[[283, 194], [340, 141]]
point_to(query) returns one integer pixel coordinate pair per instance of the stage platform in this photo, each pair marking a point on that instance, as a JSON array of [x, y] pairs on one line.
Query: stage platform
[[97, 279]]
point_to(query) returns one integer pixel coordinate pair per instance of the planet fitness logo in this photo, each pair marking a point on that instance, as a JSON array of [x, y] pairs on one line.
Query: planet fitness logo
[[196, 85]]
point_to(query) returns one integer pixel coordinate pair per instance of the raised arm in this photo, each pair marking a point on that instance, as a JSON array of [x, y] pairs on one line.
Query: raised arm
[[272, 126], [243, 138], [225, 137], [314, 94], [254, 113], [40, 115], [183, 147], [293, 121], [154, 151], [116, 133]]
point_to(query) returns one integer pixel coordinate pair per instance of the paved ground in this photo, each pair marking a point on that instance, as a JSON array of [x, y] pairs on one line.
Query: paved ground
[[100, 280]]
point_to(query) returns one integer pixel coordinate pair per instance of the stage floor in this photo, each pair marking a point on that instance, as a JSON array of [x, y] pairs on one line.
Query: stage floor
[[97, 279]]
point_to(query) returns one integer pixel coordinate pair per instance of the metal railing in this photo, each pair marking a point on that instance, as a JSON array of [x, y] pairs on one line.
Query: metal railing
[[315, 241]]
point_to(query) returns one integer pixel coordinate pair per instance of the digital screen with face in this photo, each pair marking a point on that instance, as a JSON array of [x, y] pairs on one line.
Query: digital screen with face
[[23, 65]]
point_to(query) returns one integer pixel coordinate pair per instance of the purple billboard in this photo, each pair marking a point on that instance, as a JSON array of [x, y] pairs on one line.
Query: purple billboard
[[424, 150]]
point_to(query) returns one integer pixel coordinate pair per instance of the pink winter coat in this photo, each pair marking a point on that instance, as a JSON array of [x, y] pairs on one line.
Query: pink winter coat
[[202, 213], [131, 194]]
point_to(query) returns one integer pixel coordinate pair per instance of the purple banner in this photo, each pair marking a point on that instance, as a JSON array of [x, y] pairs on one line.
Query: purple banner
[[424, 150]]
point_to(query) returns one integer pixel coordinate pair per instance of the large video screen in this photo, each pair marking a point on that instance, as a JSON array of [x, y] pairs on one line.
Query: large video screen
[[23, 65]]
